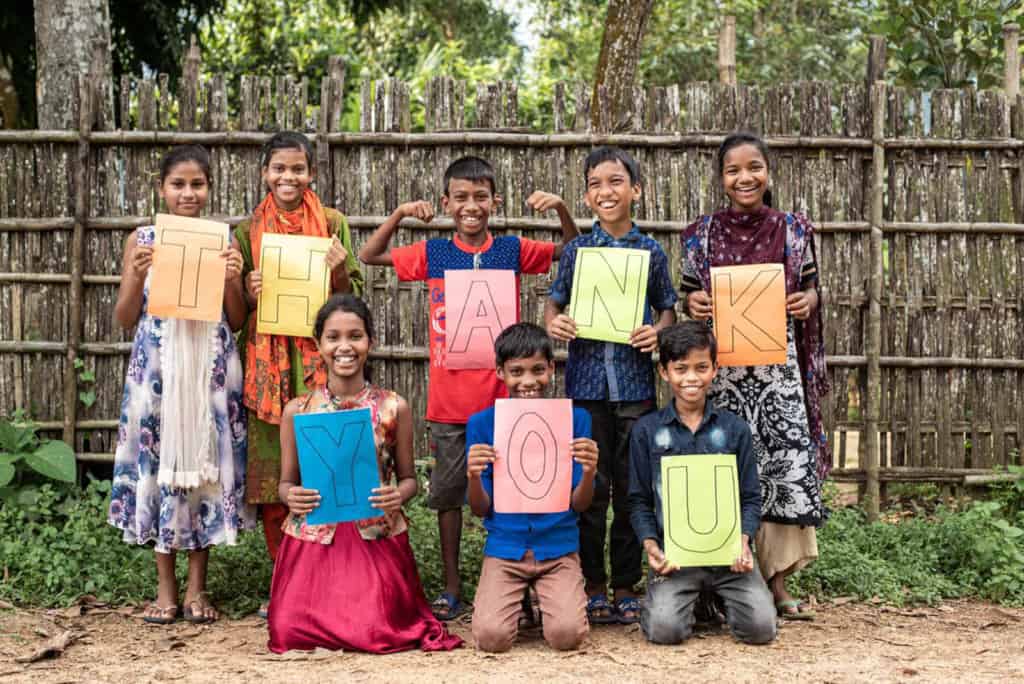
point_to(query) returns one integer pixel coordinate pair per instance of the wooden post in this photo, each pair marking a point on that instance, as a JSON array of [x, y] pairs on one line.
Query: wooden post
[[1011, 55], [727, 51], [189, 90], [873, 344], [86, 90], [876, 61]]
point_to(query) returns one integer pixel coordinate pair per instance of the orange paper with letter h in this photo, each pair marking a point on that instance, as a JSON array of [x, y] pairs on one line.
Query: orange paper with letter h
[[750, 314]]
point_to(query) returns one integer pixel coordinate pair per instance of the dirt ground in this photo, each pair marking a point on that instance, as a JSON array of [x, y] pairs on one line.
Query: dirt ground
[[849, 642]]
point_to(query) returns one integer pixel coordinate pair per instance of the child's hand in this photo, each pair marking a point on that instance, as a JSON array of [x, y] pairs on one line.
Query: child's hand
[[142, 259], [544, 201], [387, 498], [800, 304], [562, 328], [656, 560], [584, 452], [699, 305], [301, 500], [233, 265], [420, 209], [336, 255], [644, 338], [479, 457], [745, 563], [254, 284]]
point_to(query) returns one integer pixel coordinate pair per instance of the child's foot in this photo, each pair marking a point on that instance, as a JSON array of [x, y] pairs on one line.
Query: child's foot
[[599, 611], [264, 611], [199, 610], [446, 607], [627, 609], [156, 614], [794, 609]]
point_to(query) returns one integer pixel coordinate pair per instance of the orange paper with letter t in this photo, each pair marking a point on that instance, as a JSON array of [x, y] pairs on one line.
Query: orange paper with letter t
[[187, 279], [750, 314]]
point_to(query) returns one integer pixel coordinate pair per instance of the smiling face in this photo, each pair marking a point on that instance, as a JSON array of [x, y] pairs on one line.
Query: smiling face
[[287, 176], [470, 204], [344, 344], [528, 377], [610, 194], [690, 378], [745, 177], [185, 189]]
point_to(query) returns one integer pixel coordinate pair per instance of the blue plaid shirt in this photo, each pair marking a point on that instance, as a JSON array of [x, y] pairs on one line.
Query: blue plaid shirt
[[598, 370]]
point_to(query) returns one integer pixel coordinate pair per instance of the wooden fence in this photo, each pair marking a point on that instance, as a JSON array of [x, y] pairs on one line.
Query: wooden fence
[[918, 198]]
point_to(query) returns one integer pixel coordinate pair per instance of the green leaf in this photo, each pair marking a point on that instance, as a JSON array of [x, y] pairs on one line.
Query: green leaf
[[8, 436], [9, 458], [55, 460], [27, 496], [87, 398], [87, 376], [6, 473]]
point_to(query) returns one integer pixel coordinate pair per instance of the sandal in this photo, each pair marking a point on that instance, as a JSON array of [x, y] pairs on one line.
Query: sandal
[[199, 617], [627, 604], [446, 607], [161, 615], [798, 611], [599, 611], [264, 611]]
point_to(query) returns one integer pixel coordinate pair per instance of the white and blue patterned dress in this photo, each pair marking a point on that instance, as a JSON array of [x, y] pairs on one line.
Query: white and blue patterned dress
[[177, 519]]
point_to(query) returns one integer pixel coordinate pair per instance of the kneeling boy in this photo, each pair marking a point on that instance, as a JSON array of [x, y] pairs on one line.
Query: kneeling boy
[[690, 424], [541, 549]]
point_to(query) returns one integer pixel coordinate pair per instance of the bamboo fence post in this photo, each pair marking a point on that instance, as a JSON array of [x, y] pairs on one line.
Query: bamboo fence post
[[873, 344], [1011, 56], [86, 92], [876, 61], [727, 51]]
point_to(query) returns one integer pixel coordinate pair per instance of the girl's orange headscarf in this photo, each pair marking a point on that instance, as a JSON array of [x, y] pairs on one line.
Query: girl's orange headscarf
[[268, 383]]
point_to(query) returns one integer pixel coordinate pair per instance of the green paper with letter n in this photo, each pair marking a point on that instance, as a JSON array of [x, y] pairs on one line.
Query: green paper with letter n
[[700, 498], [609, 292]]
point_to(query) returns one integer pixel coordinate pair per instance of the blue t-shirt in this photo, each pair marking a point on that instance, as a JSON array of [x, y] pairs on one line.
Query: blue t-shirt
[[511, 535]]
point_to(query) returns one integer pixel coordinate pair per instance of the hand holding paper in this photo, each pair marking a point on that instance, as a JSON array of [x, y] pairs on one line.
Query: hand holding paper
[[750, 314], [609, 292], [479, 304], [187, 279], [293, 283], [701, 509], [533, 468]]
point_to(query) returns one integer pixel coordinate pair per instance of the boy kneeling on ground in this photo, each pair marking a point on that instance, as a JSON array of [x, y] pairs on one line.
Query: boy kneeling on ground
[[541, 549], [691, 424]]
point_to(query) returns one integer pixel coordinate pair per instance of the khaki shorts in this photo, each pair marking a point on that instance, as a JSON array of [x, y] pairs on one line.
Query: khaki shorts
[[448, 477]]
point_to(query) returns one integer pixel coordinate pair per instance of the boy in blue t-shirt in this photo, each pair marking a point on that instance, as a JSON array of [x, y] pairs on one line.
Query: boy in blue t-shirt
[[524, 549], [692, 424]]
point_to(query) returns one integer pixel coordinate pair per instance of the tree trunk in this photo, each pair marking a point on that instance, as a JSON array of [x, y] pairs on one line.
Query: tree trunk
[[624, 28], [72, 37]]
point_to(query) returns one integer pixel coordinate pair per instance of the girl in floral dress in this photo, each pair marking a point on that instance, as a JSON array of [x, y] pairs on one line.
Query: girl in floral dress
[[179, 468], [781, 402], [351, 586]]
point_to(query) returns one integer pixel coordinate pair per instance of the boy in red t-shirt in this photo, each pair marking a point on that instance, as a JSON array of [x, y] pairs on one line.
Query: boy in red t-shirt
[[454, 395]]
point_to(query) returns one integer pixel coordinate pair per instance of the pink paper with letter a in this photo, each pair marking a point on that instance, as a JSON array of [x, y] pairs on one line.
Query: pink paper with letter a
[[533, 467], [479, 304]]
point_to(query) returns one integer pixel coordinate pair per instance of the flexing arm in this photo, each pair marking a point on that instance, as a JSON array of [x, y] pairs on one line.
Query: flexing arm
[[545, 201], [375, 250]]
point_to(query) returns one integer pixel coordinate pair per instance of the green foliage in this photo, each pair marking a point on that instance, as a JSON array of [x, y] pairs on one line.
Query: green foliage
[[86, 380], [24, 457]]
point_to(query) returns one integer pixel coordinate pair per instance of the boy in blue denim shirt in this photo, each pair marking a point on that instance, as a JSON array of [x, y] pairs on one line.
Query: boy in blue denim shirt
[[691, 424], [613, 382]]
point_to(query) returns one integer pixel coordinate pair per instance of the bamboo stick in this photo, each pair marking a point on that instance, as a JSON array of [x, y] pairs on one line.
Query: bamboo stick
[[1011, 57], [873, 343]]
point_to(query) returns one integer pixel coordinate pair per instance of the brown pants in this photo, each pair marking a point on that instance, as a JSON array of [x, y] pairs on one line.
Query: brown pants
[[563, 603]]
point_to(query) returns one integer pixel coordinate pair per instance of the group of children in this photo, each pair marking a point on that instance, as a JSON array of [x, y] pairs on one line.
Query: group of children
[[355, 585]]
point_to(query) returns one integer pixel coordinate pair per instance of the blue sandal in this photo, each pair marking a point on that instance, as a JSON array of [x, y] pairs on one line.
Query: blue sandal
[[627, 604], [599, 611], [446, 607]]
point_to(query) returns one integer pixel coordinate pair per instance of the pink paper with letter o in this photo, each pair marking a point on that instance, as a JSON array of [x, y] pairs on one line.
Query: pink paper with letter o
[[478, 305], [533, 467]]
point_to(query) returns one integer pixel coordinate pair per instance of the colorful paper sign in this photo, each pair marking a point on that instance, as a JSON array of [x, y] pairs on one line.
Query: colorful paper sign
[[338, 458], [749, 305], [533, 463], [296, 283], [609, 292], [187, 277], [479, 304], [700, 497]]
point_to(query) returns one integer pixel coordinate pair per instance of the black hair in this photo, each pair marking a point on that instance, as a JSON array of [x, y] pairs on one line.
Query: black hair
[[286, 140], [346, 303], [181, 154], [676, 341], [608, 153], [520, 341], [472, 169], [736, 140]]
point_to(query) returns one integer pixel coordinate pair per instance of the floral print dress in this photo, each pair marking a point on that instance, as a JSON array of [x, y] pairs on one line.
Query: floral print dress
[[177, 519]]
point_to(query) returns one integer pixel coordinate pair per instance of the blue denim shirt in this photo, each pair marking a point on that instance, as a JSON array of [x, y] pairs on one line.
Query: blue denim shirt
[[511, 535], [662, 433], [599, 370]]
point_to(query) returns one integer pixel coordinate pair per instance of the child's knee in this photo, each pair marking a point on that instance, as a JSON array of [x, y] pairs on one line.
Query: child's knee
[[493, 637], [564, 634], [757, 627], [663, 625]]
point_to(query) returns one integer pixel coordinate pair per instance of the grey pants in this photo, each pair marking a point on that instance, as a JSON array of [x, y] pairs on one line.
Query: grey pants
[[666, 613]]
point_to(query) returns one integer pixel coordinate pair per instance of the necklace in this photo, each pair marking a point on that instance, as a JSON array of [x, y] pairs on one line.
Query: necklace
[[337, 402]]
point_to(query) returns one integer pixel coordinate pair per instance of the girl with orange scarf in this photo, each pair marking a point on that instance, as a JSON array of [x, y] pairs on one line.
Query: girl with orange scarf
[[279, 368]]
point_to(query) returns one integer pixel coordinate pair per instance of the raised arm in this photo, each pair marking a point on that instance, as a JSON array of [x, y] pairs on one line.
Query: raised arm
[[546, 201], [374, 251]]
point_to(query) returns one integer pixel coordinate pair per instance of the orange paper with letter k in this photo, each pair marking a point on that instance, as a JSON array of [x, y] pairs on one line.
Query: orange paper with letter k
[[750, 314]]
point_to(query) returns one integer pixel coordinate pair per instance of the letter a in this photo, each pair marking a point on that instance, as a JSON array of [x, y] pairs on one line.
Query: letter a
[[479, 316]]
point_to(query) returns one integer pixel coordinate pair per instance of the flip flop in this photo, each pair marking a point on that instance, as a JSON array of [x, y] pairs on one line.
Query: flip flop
[[165, 615], [799, 614], [627, 604], [599, 603], [446, 607], [197, 617]]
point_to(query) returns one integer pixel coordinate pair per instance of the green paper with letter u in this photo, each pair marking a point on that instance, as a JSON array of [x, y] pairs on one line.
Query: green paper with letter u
[[700, 501]]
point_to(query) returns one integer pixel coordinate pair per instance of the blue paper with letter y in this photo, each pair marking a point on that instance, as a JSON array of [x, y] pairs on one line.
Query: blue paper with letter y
[[338, 458]]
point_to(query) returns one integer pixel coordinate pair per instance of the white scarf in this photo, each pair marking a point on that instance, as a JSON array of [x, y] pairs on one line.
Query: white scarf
[[188, 433]]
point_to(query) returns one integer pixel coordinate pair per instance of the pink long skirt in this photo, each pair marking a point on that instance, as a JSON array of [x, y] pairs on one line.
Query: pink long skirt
[[352, 594]]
